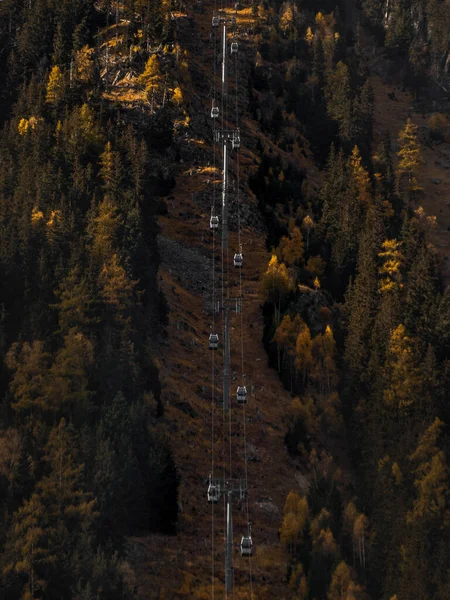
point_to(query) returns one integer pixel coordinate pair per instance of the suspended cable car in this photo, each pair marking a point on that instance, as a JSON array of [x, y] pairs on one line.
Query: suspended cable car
[[238, 260], [214, 220], [246, 543], [246, 546], [215, 21], [213, 341], [241, 394], [213, 493], [214, 111], [236, 139], [234, 47]]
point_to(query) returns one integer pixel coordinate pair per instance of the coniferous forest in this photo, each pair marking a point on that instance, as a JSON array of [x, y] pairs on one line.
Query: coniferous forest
[[353, 297], [82, 465]]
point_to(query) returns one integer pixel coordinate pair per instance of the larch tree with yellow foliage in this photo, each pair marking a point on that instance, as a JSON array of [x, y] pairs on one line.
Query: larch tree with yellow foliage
[[55, 86], [324, 368], [295, 520], [290, 249], [390, 270], [409, 160], [425, 549], [275, 285], [299, 583], [401, 372], [105, 230], [29, 364], [151, 77], [285, 337], [343, 586], [308, 225], [432, 477], [303, 353]]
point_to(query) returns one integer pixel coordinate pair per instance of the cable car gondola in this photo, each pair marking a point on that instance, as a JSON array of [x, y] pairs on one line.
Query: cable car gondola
[[214, 112], [214, 220], [241, 394], [246, 546], [213, 341], [236, 140]]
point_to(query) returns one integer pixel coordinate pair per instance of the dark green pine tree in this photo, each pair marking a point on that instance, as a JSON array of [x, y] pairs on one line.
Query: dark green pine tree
[[361, 306], [332, 195], [363, 118], [422, 283]]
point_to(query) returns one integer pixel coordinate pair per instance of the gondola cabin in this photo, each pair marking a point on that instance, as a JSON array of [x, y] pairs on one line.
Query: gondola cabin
[[234, 47], [213, 341], [241, 395], [238, 260], [213, 493], [214, 112], [236, 140], [214, 222], [246, 546]]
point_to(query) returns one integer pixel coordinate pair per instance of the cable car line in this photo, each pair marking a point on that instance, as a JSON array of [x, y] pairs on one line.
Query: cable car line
[[229, 140]]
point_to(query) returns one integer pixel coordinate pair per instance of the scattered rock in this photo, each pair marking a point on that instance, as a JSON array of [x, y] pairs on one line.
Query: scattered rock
[[268, 506], [190, 266], [302, 482]]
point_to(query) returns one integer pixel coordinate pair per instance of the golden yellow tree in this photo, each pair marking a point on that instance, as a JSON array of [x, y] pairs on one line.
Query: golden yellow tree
[[284, 337], [177, 97], [290, 250], [84, 64], [298, 582], [275, 285], [409, 159], [69, 389], [117, 290], [303, 353], [29, 364], [401, 371], [55, 86], [151, 77], [340, 582], [390, 269], [105, 230], [296, 517], [308, 225], [432, 477], [324, 370]]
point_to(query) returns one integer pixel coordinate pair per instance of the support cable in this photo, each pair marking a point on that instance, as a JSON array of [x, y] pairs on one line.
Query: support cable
[[241, 315], [213, 316]]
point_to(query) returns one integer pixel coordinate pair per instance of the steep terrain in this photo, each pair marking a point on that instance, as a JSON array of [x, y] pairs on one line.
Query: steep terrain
[[180, 567], [110, 416]]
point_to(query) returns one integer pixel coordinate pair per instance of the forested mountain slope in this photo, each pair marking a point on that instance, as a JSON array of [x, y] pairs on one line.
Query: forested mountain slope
[[106, 177], [82, 463]]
